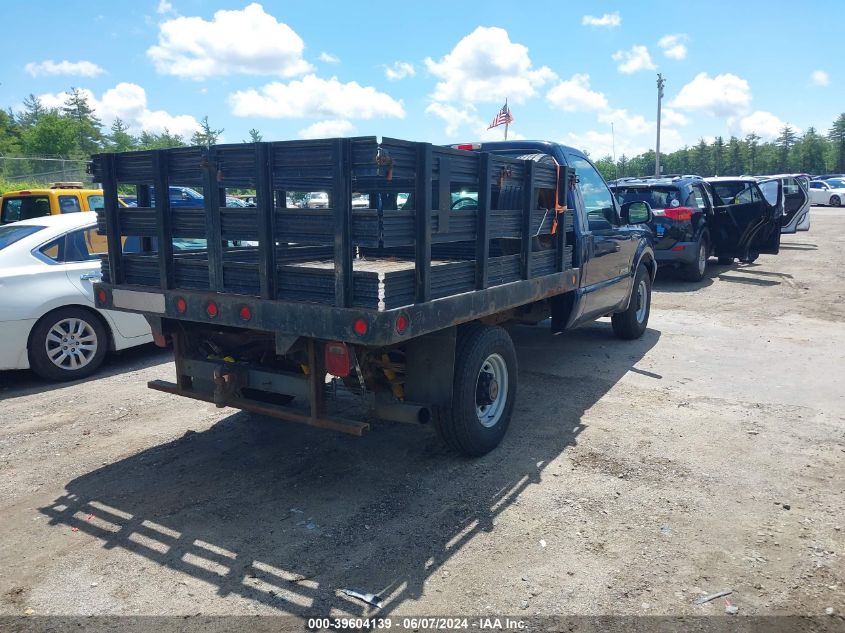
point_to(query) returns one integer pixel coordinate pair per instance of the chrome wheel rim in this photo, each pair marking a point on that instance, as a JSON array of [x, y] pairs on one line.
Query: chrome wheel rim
[[642, 301], [491, 390], [71, 344], [702, 258]]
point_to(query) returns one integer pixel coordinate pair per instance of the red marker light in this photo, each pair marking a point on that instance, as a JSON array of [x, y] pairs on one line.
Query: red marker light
[[677, 249], [211, 309], [102, 296], [245, 313], [181, 305], [402, 323], [361, 327]]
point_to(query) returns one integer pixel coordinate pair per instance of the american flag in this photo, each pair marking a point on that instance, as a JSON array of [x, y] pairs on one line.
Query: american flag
[[503, 117]]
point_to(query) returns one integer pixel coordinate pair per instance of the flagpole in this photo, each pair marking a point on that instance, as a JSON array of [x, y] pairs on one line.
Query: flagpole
[[506, 122]]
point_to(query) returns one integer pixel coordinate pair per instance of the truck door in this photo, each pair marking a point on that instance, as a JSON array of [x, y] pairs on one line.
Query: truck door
[[746, 223], [609, 246]]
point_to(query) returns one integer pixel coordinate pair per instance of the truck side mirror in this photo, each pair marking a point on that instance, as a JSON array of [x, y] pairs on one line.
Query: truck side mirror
[[636, 212]]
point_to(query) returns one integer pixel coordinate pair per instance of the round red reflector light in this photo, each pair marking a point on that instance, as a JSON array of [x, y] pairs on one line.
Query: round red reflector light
[[402, 323], [181, 305], [211, 309], [245, 313], [361, 327], [101, 295]]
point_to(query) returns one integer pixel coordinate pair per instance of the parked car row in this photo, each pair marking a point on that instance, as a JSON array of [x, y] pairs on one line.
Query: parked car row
[[731, 218]]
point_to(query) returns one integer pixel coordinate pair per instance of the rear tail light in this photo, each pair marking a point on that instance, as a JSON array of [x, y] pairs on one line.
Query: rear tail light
[[181, 305], [360, 327], [102, 296], [402, 323], [679, 213], [677, 249], [245, 313], [211, 309], [337, 359]]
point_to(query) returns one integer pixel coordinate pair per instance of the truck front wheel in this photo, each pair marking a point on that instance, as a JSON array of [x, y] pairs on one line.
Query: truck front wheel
[[484, 391], [631, 323]]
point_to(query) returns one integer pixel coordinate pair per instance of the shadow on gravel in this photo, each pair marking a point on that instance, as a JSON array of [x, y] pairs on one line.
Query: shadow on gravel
[[25, 382], [287, 515]]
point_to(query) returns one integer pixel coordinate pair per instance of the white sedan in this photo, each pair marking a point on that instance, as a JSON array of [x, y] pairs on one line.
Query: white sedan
[[830, 191], [48, 320]]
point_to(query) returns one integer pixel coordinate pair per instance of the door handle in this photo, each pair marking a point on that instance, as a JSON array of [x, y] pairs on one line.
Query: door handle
[[88, 276]]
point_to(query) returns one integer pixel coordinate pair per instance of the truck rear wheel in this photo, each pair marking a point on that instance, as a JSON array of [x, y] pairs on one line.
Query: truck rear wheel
[[631, 323], [484, 391]]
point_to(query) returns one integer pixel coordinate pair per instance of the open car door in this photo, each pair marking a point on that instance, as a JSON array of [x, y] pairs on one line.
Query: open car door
[[746, 223], [796, 201]]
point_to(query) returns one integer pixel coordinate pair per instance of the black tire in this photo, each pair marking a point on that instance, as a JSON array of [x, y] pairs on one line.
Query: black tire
[[460, 426], [697, 269], [835, 201], [631, 323], [80, 329], [750, 258], [724, 260]]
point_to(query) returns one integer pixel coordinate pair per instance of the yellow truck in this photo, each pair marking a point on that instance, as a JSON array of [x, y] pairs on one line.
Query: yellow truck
[[60, 197]]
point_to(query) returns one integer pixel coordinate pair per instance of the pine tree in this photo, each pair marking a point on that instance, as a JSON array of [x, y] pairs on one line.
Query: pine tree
[[254, 136], [205, 136], [751, 144], [33, 110], [836, 135], [700, 159], [87, 126], [734, 167], [120, 139], [811, 150], [785, 142], [718, 155]]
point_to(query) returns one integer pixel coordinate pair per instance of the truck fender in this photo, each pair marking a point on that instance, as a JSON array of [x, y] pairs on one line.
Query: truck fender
[[644, 256]]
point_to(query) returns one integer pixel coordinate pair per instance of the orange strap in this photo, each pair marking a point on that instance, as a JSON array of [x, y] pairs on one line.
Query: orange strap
[[559, 208]]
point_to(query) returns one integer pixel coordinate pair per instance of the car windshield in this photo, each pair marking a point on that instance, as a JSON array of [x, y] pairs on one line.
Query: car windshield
[[11, 234], [656, 197]]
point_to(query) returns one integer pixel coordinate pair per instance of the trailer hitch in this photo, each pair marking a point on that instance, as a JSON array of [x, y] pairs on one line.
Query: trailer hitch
[[227, 381]]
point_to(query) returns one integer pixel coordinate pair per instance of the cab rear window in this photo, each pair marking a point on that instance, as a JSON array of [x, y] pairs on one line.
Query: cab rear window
[[24, 208]]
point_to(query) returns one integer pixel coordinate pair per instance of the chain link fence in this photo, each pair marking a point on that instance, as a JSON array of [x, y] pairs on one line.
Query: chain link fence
[[27, 169]]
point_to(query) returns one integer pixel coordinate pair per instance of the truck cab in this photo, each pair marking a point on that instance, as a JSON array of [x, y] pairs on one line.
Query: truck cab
[[612, 241]]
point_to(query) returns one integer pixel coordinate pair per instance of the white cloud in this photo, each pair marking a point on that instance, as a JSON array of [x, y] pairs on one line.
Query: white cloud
[[574, 95], [764, 124], [723, 95], [633, 60], [485, 66], [314, 97], [627, 124], [670, 117], [328, 129], [609, 20], [128, 102], [674, 46], [49, 67], [246, 41], [164, 7], [819, 78], [329, 58], [399, 70]]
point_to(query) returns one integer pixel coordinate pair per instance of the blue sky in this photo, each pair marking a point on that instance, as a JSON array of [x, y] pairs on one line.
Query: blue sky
[[437, 71]]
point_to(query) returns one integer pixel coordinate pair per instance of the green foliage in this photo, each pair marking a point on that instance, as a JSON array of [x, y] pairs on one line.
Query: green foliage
[[19, 185], [205, 136]]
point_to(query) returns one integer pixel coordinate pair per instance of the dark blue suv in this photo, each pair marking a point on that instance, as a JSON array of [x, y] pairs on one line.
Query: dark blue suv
[[682, 207]]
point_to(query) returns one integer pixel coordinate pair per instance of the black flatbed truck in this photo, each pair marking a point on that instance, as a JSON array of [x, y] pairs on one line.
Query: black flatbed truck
[[401, 302]]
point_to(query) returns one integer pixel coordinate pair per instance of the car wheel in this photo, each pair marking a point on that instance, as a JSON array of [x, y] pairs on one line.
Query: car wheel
[[835, 201], [631, 323], [695, 271], [68, 344], [483, 392]]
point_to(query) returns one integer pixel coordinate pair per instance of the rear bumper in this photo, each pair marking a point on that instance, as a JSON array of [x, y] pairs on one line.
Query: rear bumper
[[680, 254]]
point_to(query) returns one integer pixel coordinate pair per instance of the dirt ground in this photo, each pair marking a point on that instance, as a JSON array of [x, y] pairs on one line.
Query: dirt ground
[[635, 477]]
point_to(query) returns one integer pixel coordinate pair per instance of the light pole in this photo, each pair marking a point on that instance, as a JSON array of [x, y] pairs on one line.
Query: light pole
[[660, 83]]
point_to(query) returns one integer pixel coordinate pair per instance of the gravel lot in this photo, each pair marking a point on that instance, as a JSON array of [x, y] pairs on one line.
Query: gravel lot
[[635, 477]]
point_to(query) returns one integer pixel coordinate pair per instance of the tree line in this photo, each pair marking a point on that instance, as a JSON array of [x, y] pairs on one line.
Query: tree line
[[811, 152]]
